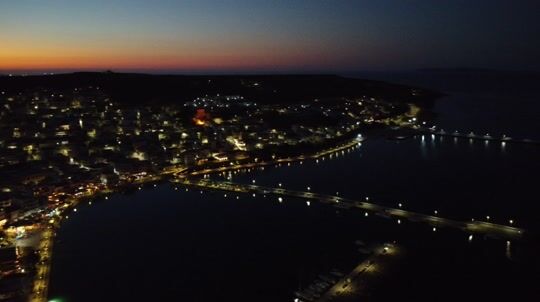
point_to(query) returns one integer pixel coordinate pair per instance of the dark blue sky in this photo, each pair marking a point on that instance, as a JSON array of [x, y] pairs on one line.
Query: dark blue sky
[[271, 35]]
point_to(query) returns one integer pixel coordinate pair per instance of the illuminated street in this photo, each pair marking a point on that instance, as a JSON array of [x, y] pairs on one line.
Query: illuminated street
[[351, 287], [41, 282], [477, 226]]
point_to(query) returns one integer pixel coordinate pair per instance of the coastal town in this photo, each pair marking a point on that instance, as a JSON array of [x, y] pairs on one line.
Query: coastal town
[[61, 146], [269, 151]]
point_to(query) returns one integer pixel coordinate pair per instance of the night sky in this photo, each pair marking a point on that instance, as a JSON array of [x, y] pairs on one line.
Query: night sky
[[268, 35]]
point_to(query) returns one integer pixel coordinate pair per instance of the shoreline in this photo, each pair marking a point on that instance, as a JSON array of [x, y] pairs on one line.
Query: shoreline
[[41, 280]]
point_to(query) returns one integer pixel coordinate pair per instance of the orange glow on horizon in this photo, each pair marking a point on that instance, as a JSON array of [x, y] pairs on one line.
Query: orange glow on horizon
[[25, 57]]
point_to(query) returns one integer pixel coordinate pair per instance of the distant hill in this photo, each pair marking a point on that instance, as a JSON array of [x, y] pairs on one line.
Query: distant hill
[[479, 71], [144, 88]]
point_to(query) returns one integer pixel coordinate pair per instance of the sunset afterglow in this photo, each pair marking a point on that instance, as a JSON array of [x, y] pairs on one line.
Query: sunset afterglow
[[253, 36]]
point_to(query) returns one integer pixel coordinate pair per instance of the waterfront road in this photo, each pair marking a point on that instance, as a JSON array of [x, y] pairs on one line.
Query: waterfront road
[[472, 227], [473, 136], [351, 144], [351, 287], [43, 268]]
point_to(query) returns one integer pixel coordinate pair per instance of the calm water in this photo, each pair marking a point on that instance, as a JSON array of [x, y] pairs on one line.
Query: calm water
[[167, 245], [457, 178]]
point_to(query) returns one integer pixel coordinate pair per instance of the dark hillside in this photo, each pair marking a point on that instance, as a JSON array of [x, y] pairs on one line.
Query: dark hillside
[[144, 88]]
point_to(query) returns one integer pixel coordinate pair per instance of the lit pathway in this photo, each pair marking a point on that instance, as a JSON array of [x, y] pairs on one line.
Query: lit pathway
[[472, 136], [476, 226], [351, 285], [43, 268], [342, 147]]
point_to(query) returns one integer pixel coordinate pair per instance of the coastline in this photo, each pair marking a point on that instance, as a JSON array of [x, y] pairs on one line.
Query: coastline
[[41, 281]]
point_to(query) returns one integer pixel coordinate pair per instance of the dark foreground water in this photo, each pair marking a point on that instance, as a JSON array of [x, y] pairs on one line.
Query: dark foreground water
[[166, 245], [161, 244]]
